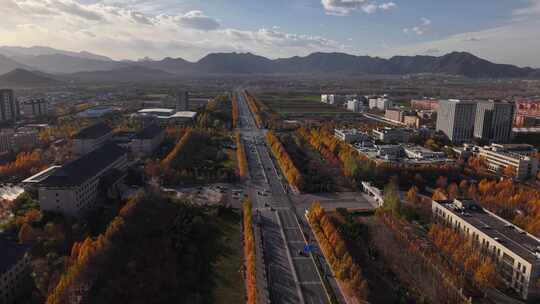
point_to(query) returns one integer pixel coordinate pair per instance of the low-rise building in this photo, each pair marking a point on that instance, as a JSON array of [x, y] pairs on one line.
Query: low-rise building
[[147, 140], [389, 152], [425, 104], [389, 135], [17, 140], [394, 114], [350, 135], [421, 153], [163, 116], [516, 252], [91, 138], [73, 188], [412, 121], [14, 269], [521, 157]]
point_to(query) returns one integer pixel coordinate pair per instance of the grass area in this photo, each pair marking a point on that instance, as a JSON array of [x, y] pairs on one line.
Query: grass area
[[308, 105], [229, 282]]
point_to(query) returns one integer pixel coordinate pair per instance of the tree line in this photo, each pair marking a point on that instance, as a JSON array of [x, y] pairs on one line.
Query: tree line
[[249, 252], [335, 250], [241, 157], [293, 175]]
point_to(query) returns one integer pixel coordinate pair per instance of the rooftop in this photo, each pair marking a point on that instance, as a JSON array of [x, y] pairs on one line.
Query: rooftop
[[10, 252], [93, 132], [508, 235], [78, 171], [184, 114], [157, 111], [149, 132]]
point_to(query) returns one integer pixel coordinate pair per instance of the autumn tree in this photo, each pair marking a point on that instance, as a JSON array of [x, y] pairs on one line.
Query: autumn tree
[[412, 195]]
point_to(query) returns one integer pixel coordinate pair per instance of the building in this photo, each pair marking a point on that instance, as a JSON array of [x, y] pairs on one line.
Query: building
[[163, 116], [527, 113], [381, 103], [421, 153], [14, 269], [73, 188], [456, 118], [91, 138], [355, 105], [389, 152], [494, 121], [9, 107], [516, 252], [389, 135], [147, 140], [97, 112], [333, 99], [521, 157], [350, 135], [425, 104], [394, 114], [20, 139], [182, 101], [411, 121], [34, 108]]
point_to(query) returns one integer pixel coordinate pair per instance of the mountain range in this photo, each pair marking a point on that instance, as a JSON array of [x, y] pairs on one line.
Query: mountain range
[[88, 67]]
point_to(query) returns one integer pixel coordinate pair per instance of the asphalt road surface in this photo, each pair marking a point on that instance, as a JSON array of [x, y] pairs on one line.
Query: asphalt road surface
[[292, 276]]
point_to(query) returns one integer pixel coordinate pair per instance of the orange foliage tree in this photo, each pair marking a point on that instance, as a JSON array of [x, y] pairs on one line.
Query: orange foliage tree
[[293, 175], [336, 253], [234, 111], [25, 164], [249, 253], [241, 156]]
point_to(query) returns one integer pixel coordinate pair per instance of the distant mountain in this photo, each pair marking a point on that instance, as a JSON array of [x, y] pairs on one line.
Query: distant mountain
[[13, 51], [456, 63], [66, 64], [125, 74], [77, 64], [8, 65], [24, 78]]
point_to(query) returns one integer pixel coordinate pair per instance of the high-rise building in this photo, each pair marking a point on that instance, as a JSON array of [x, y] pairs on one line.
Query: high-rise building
[[182, 101], [455, 118], [38, 107], [9, 107], [494, 121], [355, 105]]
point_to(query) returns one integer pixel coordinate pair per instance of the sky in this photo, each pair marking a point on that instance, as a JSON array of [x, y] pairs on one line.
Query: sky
[[503, 31]]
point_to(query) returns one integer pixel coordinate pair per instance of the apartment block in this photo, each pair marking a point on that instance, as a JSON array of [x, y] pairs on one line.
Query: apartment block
[[494, 121], [72, 189], [33, 108], [182, 101], [521, 157], [456, 119], [425, 104], [381, 103], [355, 105], [9, 107], [91, 138], [333, 99], [14, 269], [516, 253], [527, 112]]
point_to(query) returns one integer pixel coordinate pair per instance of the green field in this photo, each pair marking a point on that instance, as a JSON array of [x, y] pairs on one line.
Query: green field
[[229, 281], [297, 106]]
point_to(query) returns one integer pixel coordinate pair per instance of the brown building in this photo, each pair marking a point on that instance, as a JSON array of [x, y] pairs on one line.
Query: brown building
[[527, 113], [425, 104], [412, 121], [394, 114]]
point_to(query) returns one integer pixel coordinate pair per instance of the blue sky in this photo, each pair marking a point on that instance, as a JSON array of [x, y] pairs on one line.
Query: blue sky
[[499, 30]]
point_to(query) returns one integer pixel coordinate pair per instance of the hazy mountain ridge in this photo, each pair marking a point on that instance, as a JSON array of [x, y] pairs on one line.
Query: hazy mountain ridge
[[84, 66], [24, 78]]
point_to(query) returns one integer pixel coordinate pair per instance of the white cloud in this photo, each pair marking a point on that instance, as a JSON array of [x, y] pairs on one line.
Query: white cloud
[[419, 29], [515, 43], [130, 32], [346, 7], [197, 20]]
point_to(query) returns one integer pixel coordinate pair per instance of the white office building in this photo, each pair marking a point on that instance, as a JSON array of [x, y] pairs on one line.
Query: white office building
[[521, 157], [516, 252], [350, 135], [456, 119], [355, 105]]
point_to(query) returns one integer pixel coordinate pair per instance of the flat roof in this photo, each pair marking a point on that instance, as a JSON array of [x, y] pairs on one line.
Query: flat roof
[[40, 176], [184, 114], [157, 110], [509, 235], [93, 132], [89, 165]]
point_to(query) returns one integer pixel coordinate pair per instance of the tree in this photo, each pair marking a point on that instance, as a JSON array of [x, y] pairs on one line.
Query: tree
[[486, 275], [509, 171], [453, 191], [392, 202], [412, 196], [27, 234]]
